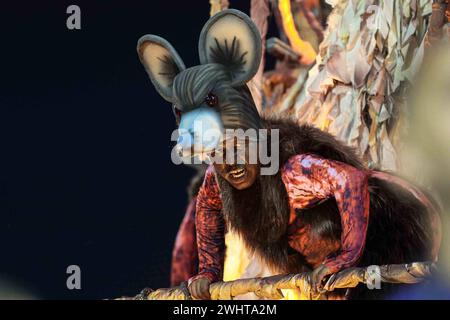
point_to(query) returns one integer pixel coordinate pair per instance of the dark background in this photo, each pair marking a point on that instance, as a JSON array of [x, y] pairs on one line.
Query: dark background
[[86, 176]]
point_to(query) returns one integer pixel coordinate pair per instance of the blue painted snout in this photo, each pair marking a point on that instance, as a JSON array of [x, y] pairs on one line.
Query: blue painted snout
[[200, 132]]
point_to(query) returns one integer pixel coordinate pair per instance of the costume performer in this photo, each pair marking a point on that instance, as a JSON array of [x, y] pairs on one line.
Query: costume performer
[[322, 210], [184, 255]]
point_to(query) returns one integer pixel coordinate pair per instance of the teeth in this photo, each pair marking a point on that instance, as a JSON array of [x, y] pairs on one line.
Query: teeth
[[237, 173]]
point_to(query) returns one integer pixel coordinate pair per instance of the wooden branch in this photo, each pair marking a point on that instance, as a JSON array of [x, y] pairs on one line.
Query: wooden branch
[[270, 287], [281, 50]]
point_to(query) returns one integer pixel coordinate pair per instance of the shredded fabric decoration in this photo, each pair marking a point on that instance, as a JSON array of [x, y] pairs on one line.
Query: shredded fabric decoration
[[370, 52]]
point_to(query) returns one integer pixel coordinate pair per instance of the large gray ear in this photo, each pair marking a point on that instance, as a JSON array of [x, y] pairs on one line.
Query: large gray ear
[[161, 62], [231, 39]]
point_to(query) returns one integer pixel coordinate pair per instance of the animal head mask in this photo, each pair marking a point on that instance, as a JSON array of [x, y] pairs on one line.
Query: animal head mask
[[212, 95]]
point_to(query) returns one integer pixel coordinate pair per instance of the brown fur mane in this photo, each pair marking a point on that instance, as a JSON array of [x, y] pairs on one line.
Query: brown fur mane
[[261, 213], [303, 138]]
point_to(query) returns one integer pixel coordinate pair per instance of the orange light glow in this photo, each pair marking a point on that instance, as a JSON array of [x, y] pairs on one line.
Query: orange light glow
[[304, 48]]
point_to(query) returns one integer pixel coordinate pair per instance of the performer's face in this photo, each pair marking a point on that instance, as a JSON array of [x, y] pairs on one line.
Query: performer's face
[[240, 176]]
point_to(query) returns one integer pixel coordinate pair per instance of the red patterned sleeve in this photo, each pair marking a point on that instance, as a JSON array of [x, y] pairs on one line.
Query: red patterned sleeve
[[184, 253], [309, 179], [210, 229]]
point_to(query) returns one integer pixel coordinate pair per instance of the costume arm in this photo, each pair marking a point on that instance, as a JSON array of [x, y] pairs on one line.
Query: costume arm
[[309, 179], [210, 229], [184, 254]]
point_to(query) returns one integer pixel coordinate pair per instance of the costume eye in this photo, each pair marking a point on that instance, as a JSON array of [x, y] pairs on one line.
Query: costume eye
[[211, 100], [177, 112]]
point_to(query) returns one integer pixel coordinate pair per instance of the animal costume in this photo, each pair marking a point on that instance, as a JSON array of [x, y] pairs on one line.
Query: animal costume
[[321, 207], [184, 255], [184, 263]]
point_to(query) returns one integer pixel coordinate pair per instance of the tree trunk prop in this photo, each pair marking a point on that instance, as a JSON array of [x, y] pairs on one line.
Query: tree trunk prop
[[270, 287]]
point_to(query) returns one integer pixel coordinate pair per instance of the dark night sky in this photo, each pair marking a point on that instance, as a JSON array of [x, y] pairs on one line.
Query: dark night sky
[[86, 176]]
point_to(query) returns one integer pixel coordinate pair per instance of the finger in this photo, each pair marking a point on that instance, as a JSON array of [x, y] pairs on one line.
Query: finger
[[197, 290], [321, 285], [204, 291], [201, 294], [204, 296], [322, 291], [313, 282], [319, 282], [313, 287], [194, 291], [329, 284]]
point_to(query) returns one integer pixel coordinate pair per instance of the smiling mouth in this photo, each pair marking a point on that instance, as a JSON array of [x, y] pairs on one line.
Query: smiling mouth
[[237, 173]]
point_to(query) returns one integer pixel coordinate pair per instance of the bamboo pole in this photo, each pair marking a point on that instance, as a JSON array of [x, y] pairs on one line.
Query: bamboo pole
[[270, 287]]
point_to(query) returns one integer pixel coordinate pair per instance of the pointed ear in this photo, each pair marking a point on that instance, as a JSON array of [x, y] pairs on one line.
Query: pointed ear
[[230, 38], [161, 62]]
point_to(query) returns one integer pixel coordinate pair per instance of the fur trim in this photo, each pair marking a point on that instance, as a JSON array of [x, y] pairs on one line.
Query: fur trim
[[298, 139], [399, 231]]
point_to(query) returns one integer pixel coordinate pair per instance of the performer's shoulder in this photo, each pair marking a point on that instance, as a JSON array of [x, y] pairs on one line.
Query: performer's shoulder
[[210, 181], [302, 159]]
